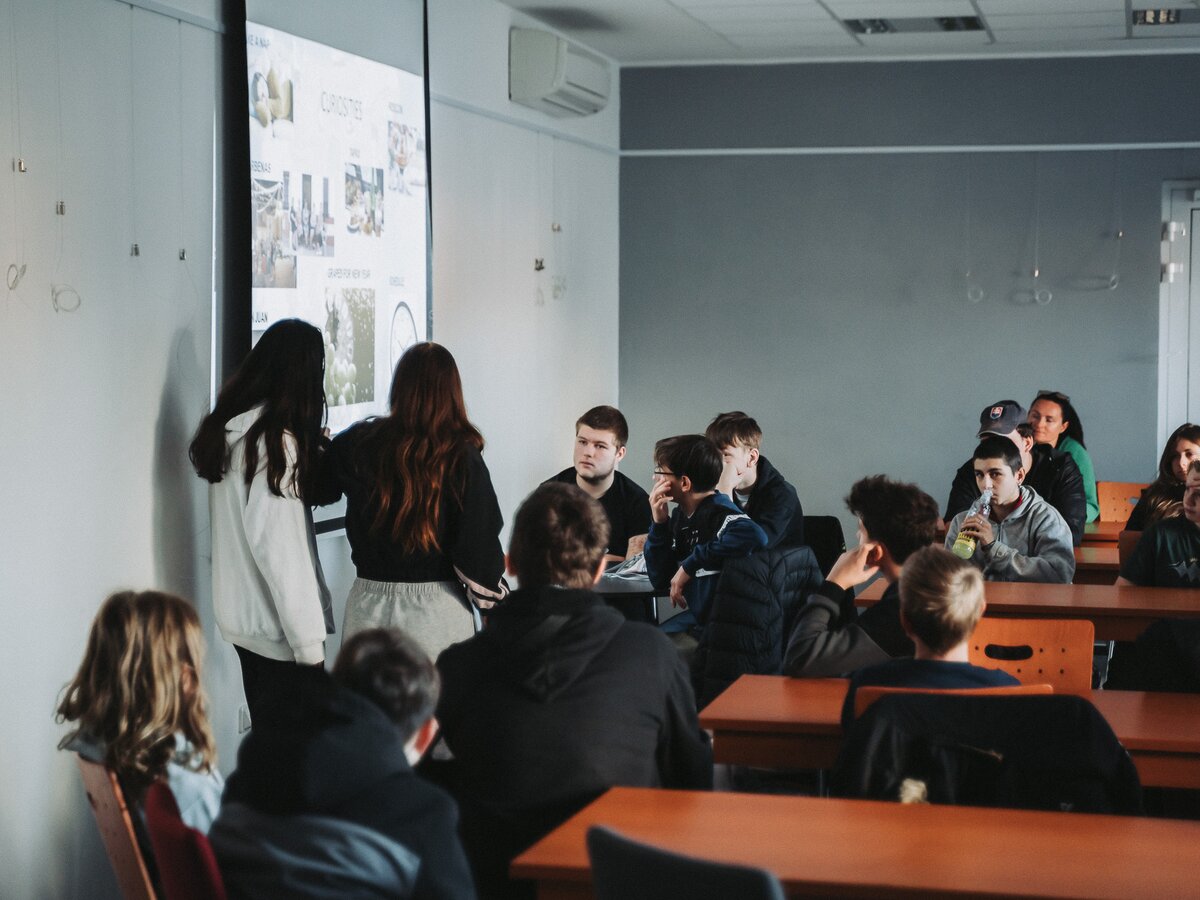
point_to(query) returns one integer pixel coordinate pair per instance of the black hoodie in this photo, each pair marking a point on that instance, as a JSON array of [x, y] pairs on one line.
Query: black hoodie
[[328, 751], [557, 700]]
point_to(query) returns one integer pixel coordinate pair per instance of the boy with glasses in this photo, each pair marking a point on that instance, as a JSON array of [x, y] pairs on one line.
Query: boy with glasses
[[685, 549]]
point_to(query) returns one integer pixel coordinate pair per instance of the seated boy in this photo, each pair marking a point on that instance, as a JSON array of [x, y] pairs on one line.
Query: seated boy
[[829, 637], [1023, 538], [324, 801], [1049, 471], [685, 549], [600, 438], [560, 697], [941, 601], [755, 485], [1168, 552]]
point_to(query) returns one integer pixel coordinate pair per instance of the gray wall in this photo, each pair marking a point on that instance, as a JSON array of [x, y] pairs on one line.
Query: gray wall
[[826, 294]]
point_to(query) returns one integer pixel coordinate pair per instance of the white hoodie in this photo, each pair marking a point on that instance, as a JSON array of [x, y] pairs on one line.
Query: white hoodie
[[269, 595]]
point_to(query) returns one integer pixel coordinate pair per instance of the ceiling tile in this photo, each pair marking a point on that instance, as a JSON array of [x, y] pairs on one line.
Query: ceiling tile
[[785, 29], [1009, 7], [900, 9], [1060, 35], [1069, 20]]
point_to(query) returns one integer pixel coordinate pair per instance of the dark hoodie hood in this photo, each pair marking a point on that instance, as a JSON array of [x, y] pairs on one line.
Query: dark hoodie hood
[[321, 745], [542, 639]]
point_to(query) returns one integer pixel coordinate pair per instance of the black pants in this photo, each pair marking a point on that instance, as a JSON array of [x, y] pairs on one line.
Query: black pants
[[263, 678]]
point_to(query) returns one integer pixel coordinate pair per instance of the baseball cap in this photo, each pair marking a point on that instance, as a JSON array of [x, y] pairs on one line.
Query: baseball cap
[[1001, 418]]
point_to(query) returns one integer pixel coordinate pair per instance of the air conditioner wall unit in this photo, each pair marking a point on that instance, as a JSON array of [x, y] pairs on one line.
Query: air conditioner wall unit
[[553, 75]]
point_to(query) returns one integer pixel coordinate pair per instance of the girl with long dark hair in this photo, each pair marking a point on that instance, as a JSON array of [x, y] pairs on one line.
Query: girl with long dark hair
[[1056, 423], [1163, 498], [421, 515], [260, 449]]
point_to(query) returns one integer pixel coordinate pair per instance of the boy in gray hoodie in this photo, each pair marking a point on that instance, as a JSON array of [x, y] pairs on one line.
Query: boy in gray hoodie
[[1023, 538]]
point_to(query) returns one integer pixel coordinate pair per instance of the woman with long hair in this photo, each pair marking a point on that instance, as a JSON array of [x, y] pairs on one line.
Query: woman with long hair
[[137, 706], [421, 515], [1056, 423], [1163, 498], [260, 449]]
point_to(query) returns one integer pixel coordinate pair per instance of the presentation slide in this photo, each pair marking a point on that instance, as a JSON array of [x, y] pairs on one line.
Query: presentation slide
[[338, 197]]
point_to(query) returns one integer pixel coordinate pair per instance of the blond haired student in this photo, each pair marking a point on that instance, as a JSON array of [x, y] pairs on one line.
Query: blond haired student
[[941, 602], [136, 704]]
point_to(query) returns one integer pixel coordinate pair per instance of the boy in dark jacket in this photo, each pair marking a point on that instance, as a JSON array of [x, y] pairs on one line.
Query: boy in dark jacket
[[560, 697], [755, 485], [324, 801], [829, 637], [685, 549]]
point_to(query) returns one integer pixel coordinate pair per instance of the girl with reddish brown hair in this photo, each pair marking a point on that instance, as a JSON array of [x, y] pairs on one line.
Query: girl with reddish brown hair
[[421, 515]]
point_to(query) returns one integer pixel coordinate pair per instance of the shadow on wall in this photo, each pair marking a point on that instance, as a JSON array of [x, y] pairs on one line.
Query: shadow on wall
[[178, 523]]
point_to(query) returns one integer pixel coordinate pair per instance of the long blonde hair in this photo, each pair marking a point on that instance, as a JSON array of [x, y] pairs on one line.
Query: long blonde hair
[[139, 685]]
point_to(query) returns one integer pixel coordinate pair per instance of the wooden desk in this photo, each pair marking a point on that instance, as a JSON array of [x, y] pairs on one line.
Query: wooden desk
[[1097, 564], [1102, 532], [775, 722], [1119, 613], [861, 848]]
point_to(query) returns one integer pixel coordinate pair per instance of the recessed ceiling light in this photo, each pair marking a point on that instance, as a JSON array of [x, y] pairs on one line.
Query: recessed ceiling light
[[1156, 17]]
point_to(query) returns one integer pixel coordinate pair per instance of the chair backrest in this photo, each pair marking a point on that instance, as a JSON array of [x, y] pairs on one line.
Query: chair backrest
[[824, 535], [869, 693], [1037, 651], [114, 819], [187, 868], [1126, 542], [1052, 752], [1118, 498], [623, 869]]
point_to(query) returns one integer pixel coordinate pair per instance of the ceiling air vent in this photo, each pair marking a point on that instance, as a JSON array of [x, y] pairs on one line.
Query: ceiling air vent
[[914, 26]]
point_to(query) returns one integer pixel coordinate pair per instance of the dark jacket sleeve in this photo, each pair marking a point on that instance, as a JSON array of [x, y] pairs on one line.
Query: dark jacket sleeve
[[660, 561], [684, 754], [963, 491], [1139, 568], [1137, 518], [739, 536], [775, 510], [445, 873], [476, 551], [1069, 498], [827, 640], [328, 483]]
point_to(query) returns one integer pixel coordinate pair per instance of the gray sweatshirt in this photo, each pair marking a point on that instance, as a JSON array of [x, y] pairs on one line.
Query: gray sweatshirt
[[1032, 544]]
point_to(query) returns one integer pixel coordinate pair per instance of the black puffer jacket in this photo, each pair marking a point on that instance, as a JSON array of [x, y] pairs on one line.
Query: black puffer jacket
[[753, 609]]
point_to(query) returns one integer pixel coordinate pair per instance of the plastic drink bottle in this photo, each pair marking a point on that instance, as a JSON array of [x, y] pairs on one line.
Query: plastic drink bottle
[[964, 545]]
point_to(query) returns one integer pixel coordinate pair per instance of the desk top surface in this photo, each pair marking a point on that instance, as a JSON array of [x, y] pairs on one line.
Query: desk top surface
[[1098, 555], [1102, 532], [889, 849], [1142, 721], [1077, 600]]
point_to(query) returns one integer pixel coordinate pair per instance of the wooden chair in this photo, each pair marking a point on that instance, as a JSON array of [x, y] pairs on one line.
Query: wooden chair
[[1037, 651], [1118, 498], [1126, 541], [114, 820], [624, 869], [869, 693]]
